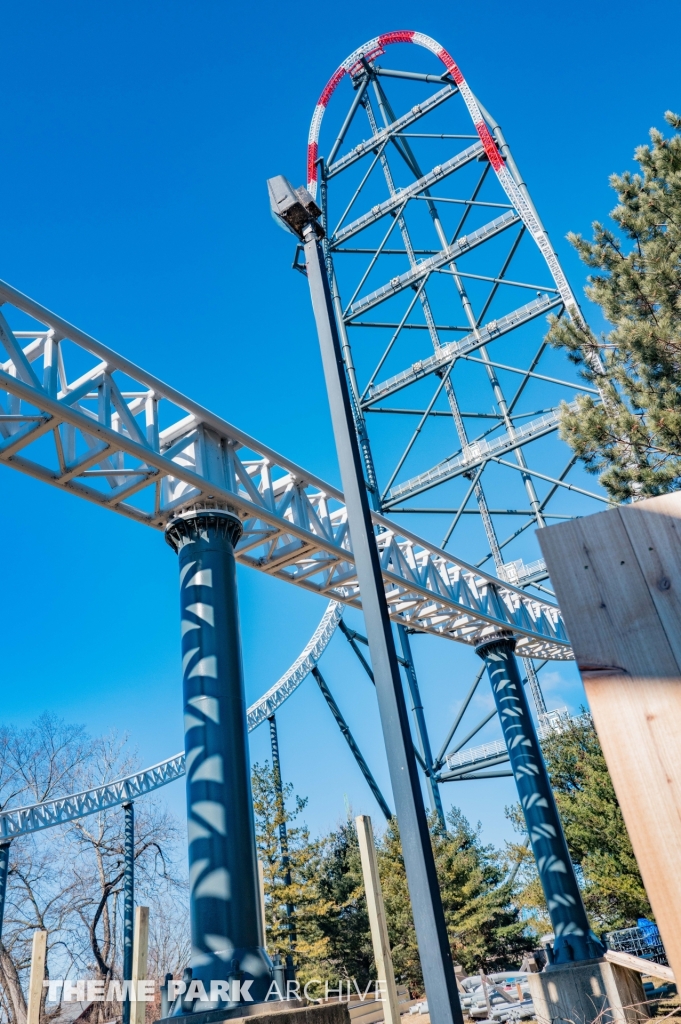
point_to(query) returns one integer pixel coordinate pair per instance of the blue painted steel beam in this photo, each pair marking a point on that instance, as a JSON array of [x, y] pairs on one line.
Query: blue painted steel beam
[[283, 835], [4, 871], [128, 900], [429, 919], [356, 752], [421, 728]]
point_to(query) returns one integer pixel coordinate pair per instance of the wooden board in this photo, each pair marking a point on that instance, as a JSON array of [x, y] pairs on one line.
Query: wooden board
[[638, 963], [617, 576], [140, 952], [377, 920], [37, 976]]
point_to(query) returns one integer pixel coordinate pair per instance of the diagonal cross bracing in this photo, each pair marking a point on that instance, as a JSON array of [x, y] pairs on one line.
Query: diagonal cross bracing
[[474, 454], [462, 245], [416, 188], [453, 350], [111, 417], [375, 142]]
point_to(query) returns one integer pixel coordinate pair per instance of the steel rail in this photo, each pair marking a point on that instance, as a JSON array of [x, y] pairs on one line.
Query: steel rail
[[299, 670], [294, 524], [516, 194], [22, 820]]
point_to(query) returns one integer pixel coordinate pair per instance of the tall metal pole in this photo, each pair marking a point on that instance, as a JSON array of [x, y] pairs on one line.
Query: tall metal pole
[[4, 871], [429, 921], [574, 939], [226, 927], [283, 839], [421, 729], [128, 901]]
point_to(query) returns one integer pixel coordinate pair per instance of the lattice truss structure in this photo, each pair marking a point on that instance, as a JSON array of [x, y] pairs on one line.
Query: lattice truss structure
[[76, 415], [442, 277]]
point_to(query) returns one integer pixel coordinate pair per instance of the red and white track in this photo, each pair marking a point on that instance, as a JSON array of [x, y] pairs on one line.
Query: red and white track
[[373, 49]]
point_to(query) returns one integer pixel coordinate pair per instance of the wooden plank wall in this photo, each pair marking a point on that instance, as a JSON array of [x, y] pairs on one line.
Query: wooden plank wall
[[617, 577]]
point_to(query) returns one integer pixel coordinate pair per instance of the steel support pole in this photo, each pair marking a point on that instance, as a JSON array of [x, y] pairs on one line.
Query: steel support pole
[[128, 900], [4, 871], [574, 939], [283, 844], [226, 927], [429, 920], [421, 729]]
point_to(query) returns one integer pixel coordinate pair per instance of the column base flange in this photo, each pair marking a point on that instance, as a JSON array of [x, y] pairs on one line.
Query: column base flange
[[588, 990]]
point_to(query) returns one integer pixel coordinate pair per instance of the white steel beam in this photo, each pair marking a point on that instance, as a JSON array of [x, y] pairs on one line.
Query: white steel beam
[[295, 524], [369, 146], [464, 244], [474, 455], [455, 349], [416, 188]]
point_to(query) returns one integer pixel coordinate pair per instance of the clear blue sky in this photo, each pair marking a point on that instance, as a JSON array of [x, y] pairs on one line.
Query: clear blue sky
[[137, 138]]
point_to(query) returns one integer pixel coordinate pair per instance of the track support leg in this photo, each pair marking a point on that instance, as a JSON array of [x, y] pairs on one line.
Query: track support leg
[[574, 939], [128, 900], [421, 729], [429, 919], [226, 928]]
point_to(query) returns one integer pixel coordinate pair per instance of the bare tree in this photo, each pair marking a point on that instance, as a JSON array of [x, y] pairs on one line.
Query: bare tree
[[68, 879], [98, 869]]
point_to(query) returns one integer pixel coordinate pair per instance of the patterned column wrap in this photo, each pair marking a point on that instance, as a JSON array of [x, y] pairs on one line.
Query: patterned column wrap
[[227, 941], [574, 939]]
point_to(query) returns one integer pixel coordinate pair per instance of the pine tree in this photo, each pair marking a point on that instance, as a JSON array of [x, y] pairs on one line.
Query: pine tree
[[311, 945], [333, 939], [483, 922], [343, 919], [631, 436], [597, 838]]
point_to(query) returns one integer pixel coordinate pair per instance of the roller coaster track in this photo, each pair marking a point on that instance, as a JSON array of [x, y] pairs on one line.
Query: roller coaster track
[[22, 820], [76, 415], [115, 435]]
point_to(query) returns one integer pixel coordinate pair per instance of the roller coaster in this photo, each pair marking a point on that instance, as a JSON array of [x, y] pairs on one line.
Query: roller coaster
[[409, 253]]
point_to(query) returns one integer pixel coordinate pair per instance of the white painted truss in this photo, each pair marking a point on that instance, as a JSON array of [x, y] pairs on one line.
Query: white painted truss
[[78, 416], [484, 752], [299, 670], [22, 820], [475, 454]]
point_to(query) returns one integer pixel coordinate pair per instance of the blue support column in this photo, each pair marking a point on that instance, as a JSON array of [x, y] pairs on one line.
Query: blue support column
[[283, 844], [226, 928], [574, 939], [128, 901], [4, 870]]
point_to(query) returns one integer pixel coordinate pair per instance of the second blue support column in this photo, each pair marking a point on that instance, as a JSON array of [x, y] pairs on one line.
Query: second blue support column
[[574, 940]]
